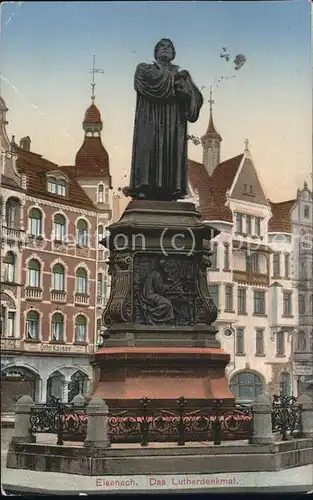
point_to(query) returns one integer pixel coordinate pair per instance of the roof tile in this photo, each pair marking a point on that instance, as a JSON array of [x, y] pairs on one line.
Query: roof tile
[[280, 221]]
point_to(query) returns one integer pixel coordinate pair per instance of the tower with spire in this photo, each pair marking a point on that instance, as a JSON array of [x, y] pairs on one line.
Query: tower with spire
[[211, 143], [92, 159]]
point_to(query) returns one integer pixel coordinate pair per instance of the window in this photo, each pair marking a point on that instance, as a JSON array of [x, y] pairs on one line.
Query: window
[[82, 233], [58, 275], [239, 223], [61, 187], [285, 384], [255, 263], [257, 226], [259, 347], [229, 297], [311, 304], [226, 257], [301, 304], [2, 321], [246, 386], [306, 212], [213, 257], [11, 324], [280, 343], [303, 270], [242, 294], [240, 341], [276, 265], [34, 273], [11, 213], [32, 325], [214, 293], [301, 341], [101, 193], [287, 265], [52, 185], [248, 224], [59, 227], [287, 307], [106, 195], [9, 268], [80, 329], [99, 285], [81, 281], [57, 327], [100, 234], [259, 302], [35, 222]]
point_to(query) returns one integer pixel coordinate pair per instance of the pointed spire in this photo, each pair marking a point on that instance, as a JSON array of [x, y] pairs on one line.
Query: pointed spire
[[247, 145], [93, 84], [211, 128]]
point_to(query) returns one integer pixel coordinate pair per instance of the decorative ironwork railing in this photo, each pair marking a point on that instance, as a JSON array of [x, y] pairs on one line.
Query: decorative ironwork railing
[[146, 424], [286, 416], [178, 423]]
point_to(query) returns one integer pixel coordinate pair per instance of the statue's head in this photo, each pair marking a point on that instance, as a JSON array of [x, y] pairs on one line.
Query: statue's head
[[164, 50]]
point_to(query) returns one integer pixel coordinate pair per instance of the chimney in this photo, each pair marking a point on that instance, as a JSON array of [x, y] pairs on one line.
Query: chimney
[[25, 143]]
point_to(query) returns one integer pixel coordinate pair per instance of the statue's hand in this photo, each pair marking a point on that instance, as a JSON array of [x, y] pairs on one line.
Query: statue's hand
[[181, 90], [184, 74]]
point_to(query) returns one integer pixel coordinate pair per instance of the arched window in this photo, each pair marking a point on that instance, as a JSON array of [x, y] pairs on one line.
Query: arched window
[[35, 222], [246, 386], [61, 187], [301, 304], [32, 325], [82, 233], [59, 227], [100, 193], [81, 281], [9, 262], [80, 328], [12, 213], [58, 275], [34, 273], [301, 344], [57, 327], [100, 234]]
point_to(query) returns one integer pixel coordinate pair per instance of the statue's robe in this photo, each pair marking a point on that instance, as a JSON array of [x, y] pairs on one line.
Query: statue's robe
[[158, 309], [159, 158]]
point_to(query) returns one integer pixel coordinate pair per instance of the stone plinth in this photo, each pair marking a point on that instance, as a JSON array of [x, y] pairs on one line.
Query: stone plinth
[[160, 340]]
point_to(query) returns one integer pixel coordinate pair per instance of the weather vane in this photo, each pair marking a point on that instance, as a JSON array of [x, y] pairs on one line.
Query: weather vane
[[93, 71]]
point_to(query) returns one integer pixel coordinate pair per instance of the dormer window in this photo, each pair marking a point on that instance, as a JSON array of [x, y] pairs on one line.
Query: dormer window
[[103, 194], [57, 186]]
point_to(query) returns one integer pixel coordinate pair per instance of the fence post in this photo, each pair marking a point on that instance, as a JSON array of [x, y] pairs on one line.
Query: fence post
[[78, 401], [307, 415], [262, 420], [22, 433], [97, 425]]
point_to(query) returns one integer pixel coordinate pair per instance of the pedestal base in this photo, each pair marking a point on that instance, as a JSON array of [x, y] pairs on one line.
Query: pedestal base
[[123, 376]]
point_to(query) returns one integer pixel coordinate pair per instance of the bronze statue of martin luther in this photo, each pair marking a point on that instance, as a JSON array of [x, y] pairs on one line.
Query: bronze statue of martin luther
[[167, 99]]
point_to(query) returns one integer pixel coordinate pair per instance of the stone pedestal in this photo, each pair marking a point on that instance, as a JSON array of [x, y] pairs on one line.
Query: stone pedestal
[[160, 340]]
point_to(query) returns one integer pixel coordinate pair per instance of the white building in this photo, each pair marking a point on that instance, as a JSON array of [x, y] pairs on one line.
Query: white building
[[257, 308]]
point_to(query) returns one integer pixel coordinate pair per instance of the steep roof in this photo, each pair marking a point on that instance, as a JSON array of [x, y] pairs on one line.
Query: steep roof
[[92, 159], [280, 221], [92, 115], [9, 183], [212, 190], [35, 167]]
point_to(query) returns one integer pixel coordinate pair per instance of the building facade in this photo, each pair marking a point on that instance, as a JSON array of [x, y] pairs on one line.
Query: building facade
[[54, 277], [257, 308], [301, 217]]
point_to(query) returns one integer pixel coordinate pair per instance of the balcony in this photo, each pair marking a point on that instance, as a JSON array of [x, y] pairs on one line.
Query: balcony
[[251, 278], [10, 344], [33, 293], [81, 299], [58, 296], [12, 234]]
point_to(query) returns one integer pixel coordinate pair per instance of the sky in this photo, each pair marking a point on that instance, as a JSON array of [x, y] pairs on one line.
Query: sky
[[46, 55]]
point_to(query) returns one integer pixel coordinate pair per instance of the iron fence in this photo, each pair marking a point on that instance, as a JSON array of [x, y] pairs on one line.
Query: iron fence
[[180, 422], [286, 416]]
